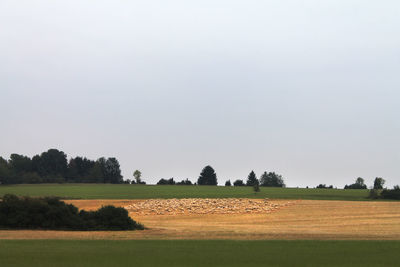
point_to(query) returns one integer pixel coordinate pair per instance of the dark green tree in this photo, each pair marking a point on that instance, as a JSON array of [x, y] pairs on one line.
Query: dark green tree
[[50, 164], [166, 182], [5, 172], [359, 184], [379, 182], [20, 164], [207, 176], [256, 187], [79, 169], [252, 179], [271, 179], [138, 176], [228, 183], [112, 171], [238, 183], [96, 174]]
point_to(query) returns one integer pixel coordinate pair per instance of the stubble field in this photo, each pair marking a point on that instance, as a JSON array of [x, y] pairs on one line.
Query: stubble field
[[244, 219]]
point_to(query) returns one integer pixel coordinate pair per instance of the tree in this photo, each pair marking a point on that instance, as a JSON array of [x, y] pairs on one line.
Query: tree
[[112, 171], [184, 182], [137, 175], [378, 183], [20, 164], [5, 173], [228, 183], [391, 193], [166, 182], [50, 164], [256, 187], [52, 167], [271, 179], [252, 179], [207, 176], [323, 186], [79, 169], [238, 183], [96, 174], [359, 184], [360, 181]]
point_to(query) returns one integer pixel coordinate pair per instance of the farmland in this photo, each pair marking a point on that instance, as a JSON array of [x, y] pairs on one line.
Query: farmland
[[214, 226], [276, 219], [46, 253], [123, 191]]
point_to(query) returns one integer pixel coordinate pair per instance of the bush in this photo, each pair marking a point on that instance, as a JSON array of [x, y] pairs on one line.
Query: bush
[[54, 214], [184, 182], [166, 182], [391, 193], [238, 183], [374, 194], [323, 186], [228, 183], [359, 184], [355, 186], [385, 193]]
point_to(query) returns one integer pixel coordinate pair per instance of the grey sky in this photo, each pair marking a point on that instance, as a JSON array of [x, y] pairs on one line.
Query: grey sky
[[309, 89]]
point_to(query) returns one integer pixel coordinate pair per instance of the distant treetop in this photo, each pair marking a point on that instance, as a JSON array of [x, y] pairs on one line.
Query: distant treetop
[[207, 176]]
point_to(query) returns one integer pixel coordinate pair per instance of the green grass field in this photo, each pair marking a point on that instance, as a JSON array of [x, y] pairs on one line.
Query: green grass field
[[99, 253], [123, 191]]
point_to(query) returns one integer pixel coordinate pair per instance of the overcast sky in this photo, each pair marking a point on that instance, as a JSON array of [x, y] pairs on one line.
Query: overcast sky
[[308, 89]]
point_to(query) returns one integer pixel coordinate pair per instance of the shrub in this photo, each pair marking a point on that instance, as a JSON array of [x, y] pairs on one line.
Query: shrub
[[228, 183], [238, 183], [359, 184], [256, 187], [166, 182], [374, 194], [323, 186], [52, 213], [391, 193], [184, 182]]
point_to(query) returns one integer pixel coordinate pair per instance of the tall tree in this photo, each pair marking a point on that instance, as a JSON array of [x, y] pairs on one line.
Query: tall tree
[[271, 179], [112, 171], [379, 182], [50, 163], [207, 176], [5, 173], [20, 164], [360, 181], [96, 174], [252, 179], [137, 175], [79, 169]]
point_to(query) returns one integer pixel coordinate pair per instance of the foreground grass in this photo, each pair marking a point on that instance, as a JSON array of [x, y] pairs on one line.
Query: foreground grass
[[197, 253], [123, 191]]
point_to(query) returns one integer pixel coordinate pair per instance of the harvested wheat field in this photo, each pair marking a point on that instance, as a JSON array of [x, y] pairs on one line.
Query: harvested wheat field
[[242, 219]]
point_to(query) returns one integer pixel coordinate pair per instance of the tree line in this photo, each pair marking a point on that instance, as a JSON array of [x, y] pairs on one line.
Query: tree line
[[208, 176], [52, 166]]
